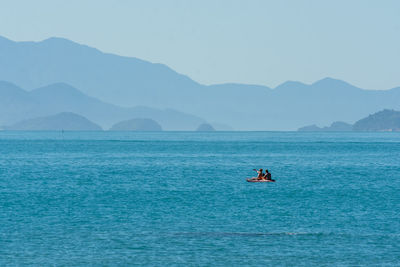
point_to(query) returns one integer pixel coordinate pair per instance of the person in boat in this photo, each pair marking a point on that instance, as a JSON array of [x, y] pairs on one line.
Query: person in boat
[[260, 175], [267, 175]]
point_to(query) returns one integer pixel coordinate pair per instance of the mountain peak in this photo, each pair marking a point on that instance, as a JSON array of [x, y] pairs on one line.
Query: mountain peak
[[57, 39], [64, 43], [331, 82], [290, 84], [50, 41], [61, 41], [328, 79], [60, 86]]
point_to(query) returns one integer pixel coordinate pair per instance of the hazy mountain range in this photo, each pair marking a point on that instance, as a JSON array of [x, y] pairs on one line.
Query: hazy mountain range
[[62, 121], [133, 82], [384, 120], [337, 126], [17, 104]]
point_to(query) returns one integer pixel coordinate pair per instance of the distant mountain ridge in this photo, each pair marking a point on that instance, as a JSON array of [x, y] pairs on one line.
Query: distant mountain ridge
[[106, 76], [65, 121], [131, 82], [17, 104]]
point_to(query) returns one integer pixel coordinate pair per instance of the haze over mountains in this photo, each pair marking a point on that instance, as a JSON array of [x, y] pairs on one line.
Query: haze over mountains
[[105, 78], [382, 121], [17, 104], [62, 121]]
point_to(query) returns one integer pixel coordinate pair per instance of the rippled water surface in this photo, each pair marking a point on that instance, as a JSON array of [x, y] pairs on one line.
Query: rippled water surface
[[78, 198]]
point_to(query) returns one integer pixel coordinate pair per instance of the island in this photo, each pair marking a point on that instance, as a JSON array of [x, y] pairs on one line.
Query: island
[[385, 120], [337, 126], [205, 127], [64, 121], [137, 124]]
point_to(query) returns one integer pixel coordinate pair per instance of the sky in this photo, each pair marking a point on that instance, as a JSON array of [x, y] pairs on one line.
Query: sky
[[219, 41]]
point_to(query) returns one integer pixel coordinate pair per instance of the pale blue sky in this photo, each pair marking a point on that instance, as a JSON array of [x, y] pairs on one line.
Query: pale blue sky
[[217, 41]]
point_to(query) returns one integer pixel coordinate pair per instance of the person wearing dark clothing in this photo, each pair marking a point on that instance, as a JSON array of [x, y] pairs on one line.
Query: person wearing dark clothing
[[268, 175]]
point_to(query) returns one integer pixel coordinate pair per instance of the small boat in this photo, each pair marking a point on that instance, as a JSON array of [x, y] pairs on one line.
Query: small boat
[[255, 180]]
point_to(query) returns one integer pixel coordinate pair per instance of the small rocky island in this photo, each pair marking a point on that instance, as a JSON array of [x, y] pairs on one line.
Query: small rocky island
[[337, 126], [382, 121], [385, 120], [205, 127], [137, 124], [66, 121]]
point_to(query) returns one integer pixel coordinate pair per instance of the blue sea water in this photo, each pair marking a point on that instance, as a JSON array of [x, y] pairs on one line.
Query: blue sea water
[[181, 199]]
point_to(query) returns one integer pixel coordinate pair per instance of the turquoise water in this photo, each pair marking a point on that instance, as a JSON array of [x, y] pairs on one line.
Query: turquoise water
[[79, 198]]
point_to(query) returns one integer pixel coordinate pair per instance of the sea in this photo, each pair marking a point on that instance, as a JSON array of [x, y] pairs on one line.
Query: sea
[[181, 199]]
